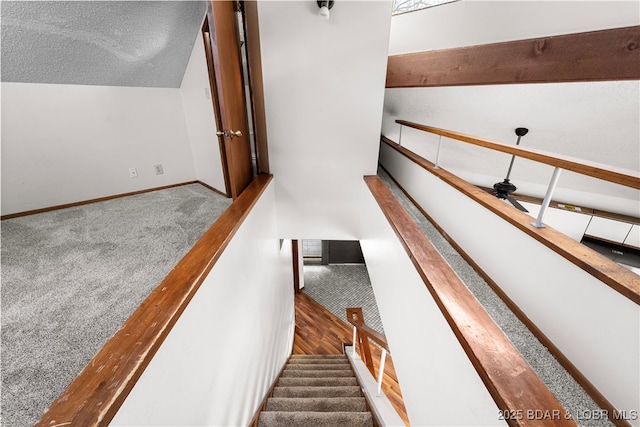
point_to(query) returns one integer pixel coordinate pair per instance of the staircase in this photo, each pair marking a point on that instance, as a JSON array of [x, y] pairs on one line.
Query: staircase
[[316, 391]]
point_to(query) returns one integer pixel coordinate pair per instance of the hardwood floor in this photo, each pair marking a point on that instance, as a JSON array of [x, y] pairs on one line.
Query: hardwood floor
[[318, 331]]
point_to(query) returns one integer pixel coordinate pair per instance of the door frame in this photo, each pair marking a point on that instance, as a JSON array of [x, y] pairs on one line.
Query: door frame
[[251, 29], [295, 254]]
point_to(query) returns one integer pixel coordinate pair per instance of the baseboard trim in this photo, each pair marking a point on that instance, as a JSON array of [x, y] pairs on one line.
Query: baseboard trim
[[102, 199], [215, 190], [591, 390], [263, 404]]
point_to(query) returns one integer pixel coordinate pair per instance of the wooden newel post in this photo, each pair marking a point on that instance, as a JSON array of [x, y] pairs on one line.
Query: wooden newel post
[[356, 315]]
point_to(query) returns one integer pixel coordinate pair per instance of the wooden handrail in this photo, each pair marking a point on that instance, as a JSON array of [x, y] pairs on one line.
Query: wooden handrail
[[97, 393], [508, 377], [371, 333], [620, 176], [362, 334], [617, 277], [361, 340]]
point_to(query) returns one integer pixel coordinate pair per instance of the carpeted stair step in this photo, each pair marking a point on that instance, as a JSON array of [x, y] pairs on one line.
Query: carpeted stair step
[[316, 419], [339, 391], [318, 366], [317, 356], [317, 374], [300, 361], [316, 361], [317, 391], [317, 404], [316, 382]]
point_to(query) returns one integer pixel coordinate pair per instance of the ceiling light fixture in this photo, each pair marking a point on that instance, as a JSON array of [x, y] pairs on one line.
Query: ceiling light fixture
[[324, 6]]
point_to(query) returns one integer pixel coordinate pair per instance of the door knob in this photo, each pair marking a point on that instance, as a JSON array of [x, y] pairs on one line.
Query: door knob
[[229, 133]]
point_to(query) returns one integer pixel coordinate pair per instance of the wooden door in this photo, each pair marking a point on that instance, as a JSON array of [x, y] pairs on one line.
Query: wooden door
[[233, 123]]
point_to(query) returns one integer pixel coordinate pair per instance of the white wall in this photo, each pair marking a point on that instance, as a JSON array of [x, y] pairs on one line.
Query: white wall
[[199, 115], [69, 143], [596, 327], [572, 224], [324, 87], [590, 121], [439, 384], [575, 225], [229, 345], [499, 21], [593, 121]]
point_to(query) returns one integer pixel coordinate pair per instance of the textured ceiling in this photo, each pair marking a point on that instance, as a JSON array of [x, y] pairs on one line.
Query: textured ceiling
[[106, 43]]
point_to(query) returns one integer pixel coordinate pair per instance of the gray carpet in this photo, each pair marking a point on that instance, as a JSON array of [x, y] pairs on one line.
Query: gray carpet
[[339, 286], [568, 392], [71, 277]]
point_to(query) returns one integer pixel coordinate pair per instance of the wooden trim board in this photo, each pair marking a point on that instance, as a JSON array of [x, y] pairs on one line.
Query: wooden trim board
[[611, 54], [103, 199]]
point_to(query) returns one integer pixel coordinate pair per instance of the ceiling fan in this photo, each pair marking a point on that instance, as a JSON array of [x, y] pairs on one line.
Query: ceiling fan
[[504, 189]]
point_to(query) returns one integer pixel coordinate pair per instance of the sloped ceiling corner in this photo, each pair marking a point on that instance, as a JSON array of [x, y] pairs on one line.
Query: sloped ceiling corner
[[105, 43]]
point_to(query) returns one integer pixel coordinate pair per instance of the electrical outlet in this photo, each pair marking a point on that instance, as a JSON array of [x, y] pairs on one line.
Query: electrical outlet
[[158, 168], [133, 173]]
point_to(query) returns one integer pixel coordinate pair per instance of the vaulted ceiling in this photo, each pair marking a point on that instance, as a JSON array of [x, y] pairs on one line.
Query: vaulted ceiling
[[106, 43]]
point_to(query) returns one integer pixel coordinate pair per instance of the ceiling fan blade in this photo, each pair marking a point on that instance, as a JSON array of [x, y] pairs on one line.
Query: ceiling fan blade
[[515, 203]]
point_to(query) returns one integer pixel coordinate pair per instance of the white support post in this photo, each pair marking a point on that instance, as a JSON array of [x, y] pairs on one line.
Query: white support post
[[353, 350], [400, 136], [437, 166], [383, 357], [547, 197]]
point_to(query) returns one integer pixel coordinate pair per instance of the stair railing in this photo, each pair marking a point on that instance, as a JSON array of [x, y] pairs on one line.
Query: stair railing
[[361, 335], [627, 178], [618, 278]]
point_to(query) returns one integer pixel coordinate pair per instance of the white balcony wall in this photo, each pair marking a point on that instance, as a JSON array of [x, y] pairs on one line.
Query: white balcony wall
[[439, 384], [229, 345], [596, 327]]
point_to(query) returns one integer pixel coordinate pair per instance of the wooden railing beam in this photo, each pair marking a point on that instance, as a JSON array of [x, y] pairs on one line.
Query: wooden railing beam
[[617, 277], [602, 55], [620, 176], [362, 335], [361, 338], [509, 378], [371, 333]]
